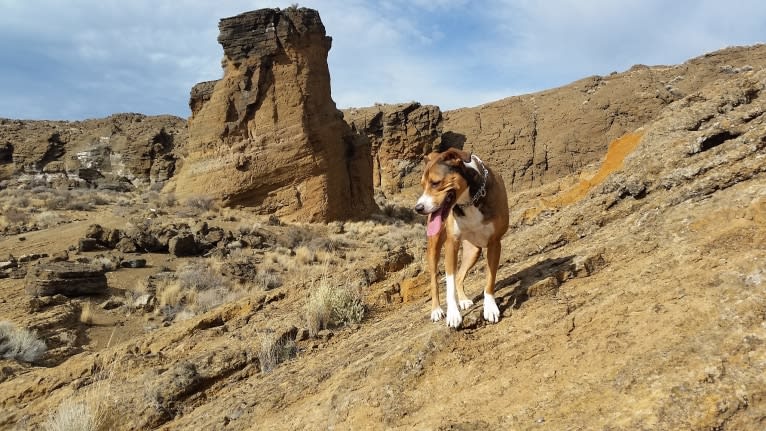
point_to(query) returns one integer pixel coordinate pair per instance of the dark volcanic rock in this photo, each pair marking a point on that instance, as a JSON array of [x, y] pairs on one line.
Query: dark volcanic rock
[[182, 245], [88, 244], [66, 278]]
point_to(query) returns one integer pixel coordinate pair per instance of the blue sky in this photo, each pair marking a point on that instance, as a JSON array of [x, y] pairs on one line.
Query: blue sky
[[77, 59]]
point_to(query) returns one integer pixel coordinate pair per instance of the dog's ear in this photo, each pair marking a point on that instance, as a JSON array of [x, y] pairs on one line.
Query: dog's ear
[[455, 157], [429, 157]]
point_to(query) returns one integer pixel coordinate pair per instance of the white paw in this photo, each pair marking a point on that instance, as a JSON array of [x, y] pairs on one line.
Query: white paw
[[437, 314], [491, 312], [465, 303], [453, 317]]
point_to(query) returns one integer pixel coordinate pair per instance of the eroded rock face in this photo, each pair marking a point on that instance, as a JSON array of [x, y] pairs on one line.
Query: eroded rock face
[[400, 135], [536, 138], [123, 150], [268, 135]]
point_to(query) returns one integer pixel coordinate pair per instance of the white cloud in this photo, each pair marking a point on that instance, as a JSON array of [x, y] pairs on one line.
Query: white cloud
[[85, 58]]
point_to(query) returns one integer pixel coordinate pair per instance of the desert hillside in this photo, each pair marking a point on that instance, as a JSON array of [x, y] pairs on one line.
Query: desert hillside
[[258, 267]]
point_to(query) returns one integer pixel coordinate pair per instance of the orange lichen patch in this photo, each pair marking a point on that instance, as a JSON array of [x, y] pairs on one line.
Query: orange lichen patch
[[615, 155]]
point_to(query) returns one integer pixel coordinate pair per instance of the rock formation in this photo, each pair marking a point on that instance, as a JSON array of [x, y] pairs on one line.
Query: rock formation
[[119, 151], [65, 278], [400, 135], [267, 134], [536, 138]]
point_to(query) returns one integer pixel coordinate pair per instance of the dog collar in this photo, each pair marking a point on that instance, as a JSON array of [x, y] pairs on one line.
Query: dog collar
[[483, 189]]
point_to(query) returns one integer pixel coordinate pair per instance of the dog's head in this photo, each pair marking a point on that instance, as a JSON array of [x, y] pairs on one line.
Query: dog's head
[[443, 183]]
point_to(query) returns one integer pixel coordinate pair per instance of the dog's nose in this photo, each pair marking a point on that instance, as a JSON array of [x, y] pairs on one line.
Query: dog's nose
[[419, 208]]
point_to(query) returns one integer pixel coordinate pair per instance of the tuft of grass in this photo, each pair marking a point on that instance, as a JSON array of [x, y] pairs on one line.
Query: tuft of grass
[[267, 280], [196, 289], [333, 305], [20, 344], [200, 277], [305, 256], [75, 415], [93, 409], [273, 351], [201, 203], [86, 314]]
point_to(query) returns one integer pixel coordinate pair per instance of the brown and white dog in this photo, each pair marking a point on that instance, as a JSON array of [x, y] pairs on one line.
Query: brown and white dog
[[466, 204]]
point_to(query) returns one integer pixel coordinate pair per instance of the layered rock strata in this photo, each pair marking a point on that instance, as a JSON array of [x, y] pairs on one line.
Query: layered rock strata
[[268, 135], [123, 150], [400, 135]]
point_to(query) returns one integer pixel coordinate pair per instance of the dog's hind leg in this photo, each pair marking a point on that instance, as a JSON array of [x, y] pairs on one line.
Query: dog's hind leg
[[471, 254], [491, 312], [435, 244]]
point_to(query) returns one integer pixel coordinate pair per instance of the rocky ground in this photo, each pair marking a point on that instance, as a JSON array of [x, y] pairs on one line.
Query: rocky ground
[[632, 297], [631, 283]]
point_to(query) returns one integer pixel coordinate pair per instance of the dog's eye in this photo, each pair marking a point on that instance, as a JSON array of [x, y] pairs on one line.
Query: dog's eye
[[435, 184]]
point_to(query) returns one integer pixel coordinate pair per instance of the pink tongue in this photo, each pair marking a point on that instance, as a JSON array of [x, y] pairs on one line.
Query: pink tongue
[[434, 223]]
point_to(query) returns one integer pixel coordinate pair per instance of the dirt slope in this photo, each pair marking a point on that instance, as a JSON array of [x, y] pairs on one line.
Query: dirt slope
[[631, 299]]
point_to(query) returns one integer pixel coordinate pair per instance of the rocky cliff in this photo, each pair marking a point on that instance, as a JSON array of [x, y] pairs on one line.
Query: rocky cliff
[[399, 135], [536, 138], [120, 151], [267, 135]]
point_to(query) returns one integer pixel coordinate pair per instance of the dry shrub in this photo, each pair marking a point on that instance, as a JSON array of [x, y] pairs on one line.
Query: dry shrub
[[305, 256], [48, 219], [200, 277], [267, 280], [279, 258], [90, 408], [76, 415], [58, 201], [200, 203], [170, 294], [20, 344], [197, 288], [273, 351], [330, 305], [15, 216]]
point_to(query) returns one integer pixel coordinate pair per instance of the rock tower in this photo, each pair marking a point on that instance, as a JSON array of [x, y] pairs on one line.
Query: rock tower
[[268, 135]]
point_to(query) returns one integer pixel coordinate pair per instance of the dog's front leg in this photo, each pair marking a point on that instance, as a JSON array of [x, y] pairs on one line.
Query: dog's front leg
[[434, 250], [491, 312], [450, 263]]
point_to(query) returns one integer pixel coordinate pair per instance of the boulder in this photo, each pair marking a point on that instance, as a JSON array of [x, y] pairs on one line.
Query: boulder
[[65, 278], [182, 245], [133, 263], [88, 244]]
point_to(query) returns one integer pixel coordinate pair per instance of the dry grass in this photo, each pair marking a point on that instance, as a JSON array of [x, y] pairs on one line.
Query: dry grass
[[77, 415], [90, 408], [86, 314], [20, 344], [273, 351], [331, 304], [197, 288], [267, 280], [305, 256]]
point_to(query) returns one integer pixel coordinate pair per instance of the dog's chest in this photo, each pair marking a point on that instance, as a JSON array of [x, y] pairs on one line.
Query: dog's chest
[[473, 227]]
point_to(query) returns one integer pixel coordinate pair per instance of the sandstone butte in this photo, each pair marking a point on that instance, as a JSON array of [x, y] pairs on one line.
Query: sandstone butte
[[631, 286], [267, 135]]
